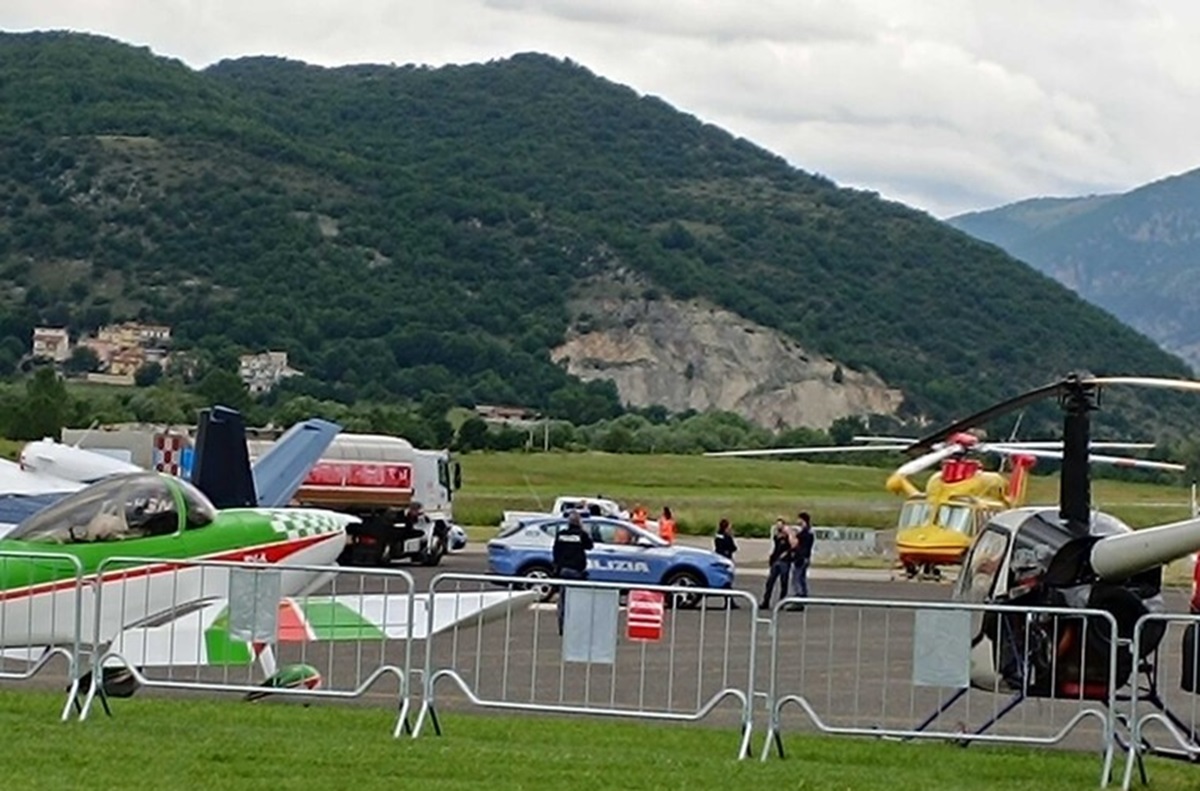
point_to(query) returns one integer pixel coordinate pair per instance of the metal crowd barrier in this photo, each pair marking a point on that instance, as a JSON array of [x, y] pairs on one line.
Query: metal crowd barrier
[[242, 627], [1165, 701], [41, 610], [929, 671], [649, 660]]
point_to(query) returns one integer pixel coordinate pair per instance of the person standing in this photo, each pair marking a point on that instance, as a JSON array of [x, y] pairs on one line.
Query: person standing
[[666, 526], [723, 543], [571, 546], [802, 547], [726, 547], [780, 562]]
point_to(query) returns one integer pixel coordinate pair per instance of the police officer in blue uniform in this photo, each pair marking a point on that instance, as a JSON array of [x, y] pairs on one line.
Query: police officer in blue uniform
[[570, 557]]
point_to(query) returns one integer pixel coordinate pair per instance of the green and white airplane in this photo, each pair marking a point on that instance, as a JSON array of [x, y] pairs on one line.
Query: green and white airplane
[[157, 517], [60, 576]]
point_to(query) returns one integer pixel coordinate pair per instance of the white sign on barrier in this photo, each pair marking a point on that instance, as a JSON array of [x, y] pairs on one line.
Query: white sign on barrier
[[254, 596], [590, 625], [942, 648]]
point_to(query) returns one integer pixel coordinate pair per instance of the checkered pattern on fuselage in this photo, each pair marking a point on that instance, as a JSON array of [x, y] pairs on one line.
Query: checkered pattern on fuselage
[[303, 522]]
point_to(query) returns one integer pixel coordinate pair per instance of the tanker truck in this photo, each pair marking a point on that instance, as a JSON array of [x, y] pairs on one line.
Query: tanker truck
[[377, 477]]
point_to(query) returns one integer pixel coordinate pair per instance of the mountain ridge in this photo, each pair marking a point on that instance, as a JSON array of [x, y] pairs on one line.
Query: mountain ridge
[[407, 230], [1132, 254]]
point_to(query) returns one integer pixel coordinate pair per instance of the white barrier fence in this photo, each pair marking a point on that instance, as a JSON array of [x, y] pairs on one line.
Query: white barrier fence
[[40, 616], [962, 672], [1163, 715], [659, 662], [947, 671], [238, 627]]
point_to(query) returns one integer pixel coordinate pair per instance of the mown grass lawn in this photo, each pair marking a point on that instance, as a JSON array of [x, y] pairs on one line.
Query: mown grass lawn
[[156, 743], [751, 492]]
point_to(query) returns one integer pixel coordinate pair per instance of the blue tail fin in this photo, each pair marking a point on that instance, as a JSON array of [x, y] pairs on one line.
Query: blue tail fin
[[221, 468], [280, 471]]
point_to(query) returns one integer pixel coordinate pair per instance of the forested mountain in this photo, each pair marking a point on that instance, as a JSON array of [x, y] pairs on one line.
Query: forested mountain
[[1133, 254], [407, 230]]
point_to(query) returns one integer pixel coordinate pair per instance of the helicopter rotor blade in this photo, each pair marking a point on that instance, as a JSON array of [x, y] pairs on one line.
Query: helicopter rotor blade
[[804, 450], [1053, 444], [1032, 396], [985, 415], [887, 440], [1119, 461], [929, 459]]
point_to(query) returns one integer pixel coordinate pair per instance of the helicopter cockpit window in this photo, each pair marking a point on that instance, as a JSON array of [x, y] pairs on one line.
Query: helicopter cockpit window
[[913, 514], [956, 518], [128, 506], [982, 566]]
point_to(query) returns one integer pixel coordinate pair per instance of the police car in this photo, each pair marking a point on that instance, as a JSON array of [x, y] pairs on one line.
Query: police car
[[624, 552]]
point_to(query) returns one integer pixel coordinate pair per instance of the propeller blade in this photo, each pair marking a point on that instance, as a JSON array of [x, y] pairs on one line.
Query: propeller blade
[[906, 441]]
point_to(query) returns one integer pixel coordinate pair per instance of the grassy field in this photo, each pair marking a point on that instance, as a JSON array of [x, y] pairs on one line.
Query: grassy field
[[153, 743], [750, 492]]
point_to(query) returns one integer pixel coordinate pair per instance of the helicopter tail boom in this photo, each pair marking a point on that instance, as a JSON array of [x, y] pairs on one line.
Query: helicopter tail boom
[[1121, 556]]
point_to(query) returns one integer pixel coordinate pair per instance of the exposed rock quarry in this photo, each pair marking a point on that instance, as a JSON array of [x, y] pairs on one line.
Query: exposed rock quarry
[[691, 355]]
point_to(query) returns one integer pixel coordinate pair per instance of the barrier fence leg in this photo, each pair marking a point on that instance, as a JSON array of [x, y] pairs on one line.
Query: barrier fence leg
[[427, 710]]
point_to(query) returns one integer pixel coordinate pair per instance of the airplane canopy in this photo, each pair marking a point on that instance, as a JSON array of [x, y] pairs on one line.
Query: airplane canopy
[[126, 506]]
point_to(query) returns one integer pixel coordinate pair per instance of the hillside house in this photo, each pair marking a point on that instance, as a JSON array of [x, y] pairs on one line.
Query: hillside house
[[261, 372], [51, 343]]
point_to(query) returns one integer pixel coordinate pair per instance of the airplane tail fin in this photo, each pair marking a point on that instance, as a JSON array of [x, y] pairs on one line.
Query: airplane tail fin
[[222, 464], [280, 471]]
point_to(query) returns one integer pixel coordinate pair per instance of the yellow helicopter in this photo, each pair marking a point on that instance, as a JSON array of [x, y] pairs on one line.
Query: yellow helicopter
[[936, 525]]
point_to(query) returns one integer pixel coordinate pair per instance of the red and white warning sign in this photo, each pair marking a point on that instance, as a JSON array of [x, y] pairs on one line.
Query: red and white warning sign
[[644, 615]]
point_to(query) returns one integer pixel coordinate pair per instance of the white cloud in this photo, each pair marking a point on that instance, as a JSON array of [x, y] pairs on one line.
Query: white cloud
[[948, 105]]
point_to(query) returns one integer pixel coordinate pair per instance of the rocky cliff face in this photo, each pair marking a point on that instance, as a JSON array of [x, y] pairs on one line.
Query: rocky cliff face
[[691, 355]]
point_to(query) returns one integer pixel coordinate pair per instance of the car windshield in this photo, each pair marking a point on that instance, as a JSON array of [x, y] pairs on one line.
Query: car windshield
[[127, 506]]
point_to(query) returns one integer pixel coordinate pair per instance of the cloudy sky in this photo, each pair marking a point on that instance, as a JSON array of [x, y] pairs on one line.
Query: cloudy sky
[[946, 105]]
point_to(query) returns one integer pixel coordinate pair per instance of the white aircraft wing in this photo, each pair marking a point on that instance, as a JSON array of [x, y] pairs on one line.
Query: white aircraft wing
[[201, 636], [24, 493]]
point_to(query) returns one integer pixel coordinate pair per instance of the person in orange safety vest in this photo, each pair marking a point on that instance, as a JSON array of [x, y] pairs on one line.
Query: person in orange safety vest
[[639, 516], [666, 526]]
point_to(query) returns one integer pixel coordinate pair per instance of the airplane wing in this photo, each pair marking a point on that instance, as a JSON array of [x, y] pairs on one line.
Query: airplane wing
[[24, 493], [201, 635]]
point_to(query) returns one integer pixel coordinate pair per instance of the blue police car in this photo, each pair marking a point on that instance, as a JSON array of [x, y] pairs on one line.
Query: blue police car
[[624, 552]]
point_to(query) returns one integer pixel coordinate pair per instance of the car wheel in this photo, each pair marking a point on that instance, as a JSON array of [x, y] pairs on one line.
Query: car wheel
[[683, 579], [432, 555], [542, 576]]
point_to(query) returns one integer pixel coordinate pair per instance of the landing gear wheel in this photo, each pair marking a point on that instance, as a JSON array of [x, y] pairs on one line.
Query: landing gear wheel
[[432, 554]]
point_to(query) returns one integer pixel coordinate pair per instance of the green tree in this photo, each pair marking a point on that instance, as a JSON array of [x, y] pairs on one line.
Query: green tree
[[148, 374], [220, 387], [83, 360], [472, 434], [45, 408]]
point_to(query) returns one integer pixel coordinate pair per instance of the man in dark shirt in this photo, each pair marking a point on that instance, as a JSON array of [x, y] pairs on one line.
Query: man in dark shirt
[[570, 557], [802, 548], [780, 563]]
